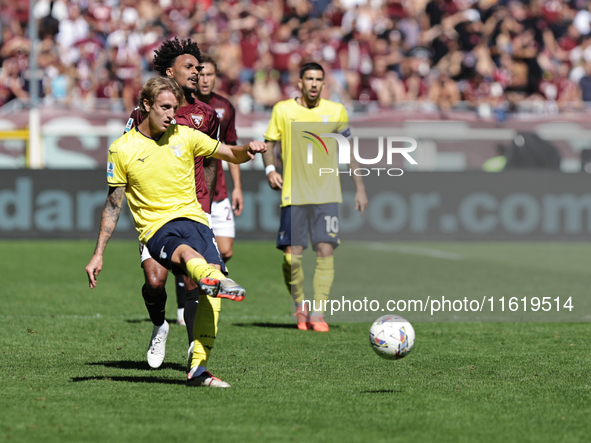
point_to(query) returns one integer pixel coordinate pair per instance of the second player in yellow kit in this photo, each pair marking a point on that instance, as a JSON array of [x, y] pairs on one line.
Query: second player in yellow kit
[[309, 201], [302, 183]]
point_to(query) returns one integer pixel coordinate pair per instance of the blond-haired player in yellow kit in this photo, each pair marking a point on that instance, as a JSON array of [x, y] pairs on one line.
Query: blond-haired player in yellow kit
[[153, 166], [309, 201]]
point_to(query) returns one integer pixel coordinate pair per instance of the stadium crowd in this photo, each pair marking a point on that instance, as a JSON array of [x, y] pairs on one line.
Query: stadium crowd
[[495, 55]]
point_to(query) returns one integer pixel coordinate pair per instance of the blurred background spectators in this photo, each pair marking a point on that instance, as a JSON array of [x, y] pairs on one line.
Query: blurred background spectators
[[492, 57]]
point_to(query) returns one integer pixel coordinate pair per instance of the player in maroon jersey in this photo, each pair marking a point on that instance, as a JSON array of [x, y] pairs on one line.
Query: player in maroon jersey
[[179, 60], [222, 212]]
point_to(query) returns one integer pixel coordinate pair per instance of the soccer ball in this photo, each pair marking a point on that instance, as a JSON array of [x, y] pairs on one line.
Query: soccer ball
[[391, 337]]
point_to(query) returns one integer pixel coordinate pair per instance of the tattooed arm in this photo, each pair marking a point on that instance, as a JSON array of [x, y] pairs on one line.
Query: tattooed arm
[[109, 218], [210, 171]]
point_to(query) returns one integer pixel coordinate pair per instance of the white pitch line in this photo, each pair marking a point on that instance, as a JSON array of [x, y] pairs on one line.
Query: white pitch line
[[415, 250]]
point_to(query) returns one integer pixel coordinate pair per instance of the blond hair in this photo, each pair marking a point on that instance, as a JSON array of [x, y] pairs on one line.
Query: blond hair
[[154, 87]]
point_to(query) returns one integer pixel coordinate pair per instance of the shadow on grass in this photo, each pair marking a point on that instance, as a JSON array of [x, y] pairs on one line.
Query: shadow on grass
[[137, 365], [273, 325], [165, 381], [382, 391], [267, 325], [171, 321]]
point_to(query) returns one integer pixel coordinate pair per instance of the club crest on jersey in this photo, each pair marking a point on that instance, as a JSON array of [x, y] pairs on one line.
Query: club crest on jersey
[[177, 149], [325, 119], [220, 112], [197, 120]]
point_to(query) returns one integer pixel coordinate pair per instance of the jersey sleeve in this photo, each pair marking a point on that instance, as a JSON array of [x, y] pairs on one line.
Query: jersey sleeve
[[214, 131], [343, 124], [202, 144], [274, 129], [116, 169]]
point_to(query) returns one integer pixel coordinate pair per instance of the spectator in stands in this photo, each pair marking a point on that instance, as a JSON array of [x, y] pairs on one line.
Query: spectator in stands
[[585, 84], [9, 84]]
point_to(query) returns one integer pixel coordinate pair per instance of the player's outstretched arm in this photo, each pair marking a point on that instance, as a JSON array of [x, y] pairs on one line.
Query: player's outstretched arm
[[360, 195], [274, 178], [237, 198], [240, 154], [109, 218]]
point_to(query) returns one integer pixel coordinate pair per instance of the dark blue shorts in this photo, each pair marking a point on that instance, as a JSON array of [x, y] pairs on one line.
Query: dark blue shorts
[[182, 231], [320, 221]]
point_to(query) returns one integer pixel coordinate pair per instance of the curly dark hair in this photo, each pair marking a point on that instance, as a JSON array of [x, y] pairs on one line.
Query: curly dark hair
[[166, 54]]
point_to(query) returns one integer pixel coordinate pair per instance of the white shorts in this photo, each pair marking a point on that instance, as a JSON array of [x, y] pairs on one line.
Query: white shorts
[[222, 219], [145, 254]]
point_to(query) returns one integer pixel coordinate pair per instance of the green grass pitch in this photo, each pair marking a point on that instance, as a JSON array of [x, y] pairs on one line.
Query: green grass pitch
[[73, 369]]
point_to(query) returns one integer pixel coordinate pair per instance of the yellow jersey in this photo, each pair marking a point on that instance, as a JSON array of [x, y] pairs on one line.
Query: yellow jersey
[[159, 176], [298, 128]]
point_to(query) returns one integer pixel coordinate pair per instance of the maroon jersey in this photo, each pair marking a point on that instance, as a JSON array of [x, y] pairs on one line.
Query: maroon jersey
[[227, 115], [199, 116]]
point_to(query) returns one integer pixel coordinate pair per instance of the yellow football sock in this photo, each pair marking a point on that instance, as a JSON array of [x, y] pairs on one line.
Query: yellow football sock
[[293, 273], [198, 268], [323, 278], [205, 329]]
